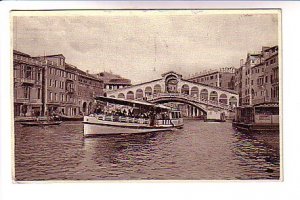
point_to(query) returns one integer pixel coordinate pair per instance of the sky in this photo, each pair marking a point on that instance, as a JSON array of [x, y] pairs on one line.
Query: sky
[[142, 45]]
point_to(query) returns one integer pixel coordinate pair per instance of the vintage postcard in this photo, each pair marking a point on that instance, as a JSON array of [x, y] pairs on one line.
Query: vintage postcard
[[147, 95]]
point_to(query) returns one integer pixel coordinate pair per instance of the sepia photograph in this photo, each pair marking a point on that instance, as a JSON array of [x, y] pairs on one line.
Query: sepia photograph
[[158, 94]]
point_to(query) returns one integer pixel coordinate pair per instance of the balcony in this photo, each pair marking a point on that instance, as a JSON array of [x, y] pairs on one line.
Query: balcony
[[25, 81]]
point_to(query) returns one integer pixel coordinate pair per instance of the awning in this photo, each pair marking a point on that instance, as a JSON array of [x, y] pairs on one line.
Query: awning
[[131, 103]]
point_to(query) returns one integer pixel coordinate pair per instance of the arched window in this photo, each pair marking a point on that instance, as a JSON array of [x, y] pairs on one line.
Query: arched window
[[213, 96], [204, 94], [223, 99], [195, 91], [185, 89], [139, 94], [121, 96], [148, 91], [157, 89], [130, 95]]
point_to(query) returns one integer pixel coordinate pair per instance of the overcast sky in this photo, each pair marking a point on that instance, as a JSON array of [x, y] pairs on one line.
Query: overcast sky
[[143, 45]]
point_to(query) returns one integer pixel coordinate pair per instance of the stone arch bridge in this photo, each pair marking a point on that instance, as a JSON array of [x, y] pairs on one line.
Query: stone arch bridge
[[201, 98]]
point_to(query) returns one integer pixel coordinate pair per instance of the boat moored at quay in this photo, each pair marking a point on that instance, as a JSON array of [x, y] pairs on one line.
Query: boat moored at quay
[[262, 117], [121, 116]]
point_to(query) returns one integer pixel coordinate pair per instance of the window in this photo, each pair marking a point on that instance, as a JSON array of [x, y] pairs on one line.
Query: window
[[39, 93], [55, 96], [251, 82], [266, 79], [51, 96], [26, 92], [55, 83], [50, 82]]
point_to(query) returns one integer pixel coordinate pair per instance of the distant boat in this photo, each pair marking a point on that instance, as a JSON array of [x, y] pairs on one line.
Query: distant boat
[[160, 118], [41, 123]]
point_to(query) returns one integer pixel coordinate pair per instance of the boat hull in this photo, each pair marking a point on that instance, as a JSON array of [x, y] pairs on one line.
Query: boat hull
[[97, 129], [94, 126], [41, 123]]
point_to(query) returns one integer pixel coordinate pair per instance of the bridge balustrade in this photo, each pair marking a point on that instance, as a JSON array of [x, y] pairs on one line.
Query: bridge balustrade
[[190, 98]]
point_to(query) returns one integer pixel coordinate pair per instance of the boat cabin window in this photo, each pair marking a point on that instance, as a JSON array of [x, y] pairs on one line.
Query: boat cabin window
[[267, 110], [176, 115]]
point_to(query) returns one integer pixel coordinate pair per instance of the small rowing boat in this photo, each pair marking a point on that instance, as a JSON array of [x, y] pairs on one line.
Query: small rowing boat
[[41, 123]]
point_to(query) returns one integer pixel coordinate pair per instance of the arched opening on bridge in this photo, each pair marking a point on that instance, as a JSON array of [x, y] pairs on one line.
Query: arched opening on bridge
[[130, 95], [112, 96], [121, 96], [185, 89], [195, 91], [171, 84], [233, 101], [223, 99], [213, 96], [84, 107], [139, 94], [204, 94], [105, 95], [148, 91], [157, 89]]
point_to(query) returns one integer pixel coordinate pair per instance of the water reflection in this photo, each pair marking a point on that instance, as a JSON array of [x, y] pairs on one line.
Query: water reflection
[[199, 151]]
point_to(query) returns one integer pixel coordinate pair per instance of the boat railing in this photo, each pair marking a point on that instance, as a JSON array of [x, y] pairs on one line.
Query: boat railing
[[123, 119]]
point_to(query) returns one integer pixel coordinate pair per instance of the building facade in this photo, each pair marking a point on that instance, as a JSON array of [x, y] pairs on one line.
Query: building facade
[[48, 85], [27, 74], [257, 80], [112, 81], [223, 78]]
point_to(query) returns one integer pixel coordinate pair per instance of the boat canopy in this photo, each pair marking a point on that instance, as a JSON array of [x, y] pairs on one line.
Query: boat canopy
[[132, 103]]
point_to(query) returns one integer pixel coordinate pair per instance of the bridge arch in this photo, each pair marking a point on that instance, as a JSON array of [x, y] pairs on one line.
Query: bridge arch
[[223, 99], [195, 91], [185, 89], [121, 96], [139, 94], [148, 91], [213, 96], [204, 94], [233, 101], [130, 95], [179, 100], [157, 89], [113, 96]]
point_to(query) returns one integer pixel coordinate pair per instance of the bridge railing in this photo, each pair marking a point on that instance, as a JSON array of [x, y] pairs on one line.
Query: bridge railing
[[191, 98]]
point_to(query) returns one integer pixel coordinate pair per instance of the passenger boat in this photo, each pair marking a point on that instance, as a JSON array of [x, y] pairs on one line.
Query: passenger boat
[[146, 117], [41, 123], [262, 117]]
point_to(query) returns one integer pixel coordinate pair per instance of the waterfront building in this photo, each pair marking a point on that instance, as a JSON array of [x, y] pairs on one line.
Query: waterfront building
[[27, 74], [88, 88], [46, 85], [223, 77], [112, 81], [257, 80], [59, 86]]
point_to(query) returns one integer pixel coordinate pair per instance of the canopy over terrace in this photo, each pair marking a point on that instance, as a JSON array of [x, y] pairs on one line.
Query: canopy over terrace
[[133, 103]]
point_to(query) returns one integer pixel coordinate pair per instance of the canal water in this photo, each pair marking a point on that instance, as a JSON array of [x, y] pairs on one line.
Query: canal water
[[199, 151]]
